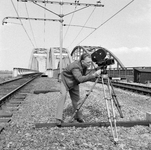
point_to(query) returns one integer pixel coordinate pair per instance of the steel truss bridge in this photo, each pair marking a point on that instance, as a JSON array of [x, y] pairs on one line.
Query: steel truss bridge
[[79, 50], [48, 61], [117, 71]]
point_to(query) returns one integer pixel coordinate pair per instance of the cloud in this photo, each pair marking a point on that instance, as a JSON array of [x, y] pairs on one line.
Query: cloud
[[133, 57], [134, 49]]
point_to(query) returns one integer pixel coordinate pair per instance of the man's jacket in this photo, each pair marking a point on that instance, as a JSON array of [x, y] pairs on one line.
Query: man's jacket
[[74, 74]]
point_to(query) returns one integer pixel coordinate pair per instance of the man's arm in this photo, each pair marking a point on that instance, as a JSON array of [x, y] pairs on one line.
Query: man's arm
[[82, 78]]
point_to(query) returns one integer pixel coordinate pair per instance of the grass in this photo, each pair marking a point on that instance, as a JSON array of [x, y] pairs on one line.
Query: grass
[[5, 75]]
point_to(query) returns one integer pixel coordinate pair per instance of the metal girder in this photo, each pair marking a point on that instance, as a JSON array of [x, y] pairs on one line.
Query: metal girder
[[25, 18], [90, 49], [78, 26], [63, 3]]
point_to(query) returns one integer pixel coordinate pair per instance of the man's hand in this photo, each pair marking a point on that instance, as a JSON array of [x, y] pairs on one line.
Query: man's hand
[[97, 73]]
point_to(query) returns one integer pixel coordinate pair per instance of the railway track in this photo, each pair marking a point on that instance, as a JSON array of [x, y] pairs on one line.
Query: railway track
[[39, 112], [133, 87], [12, 95], [141, 89]]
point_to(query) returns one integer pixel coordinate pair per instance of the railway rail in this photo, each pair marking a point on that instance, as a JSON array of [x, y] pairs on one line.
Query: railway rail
[[141, 89], [134, 87], [11, 96]]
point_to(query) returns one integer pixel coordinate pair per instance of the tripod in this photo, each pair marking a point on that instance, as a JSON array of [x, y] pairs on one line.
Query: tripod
[[111, 101]]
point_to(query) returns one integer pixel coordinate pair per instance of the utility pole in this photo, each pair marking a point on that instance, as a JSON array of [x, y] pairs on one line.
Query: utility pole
[[61, 34], [61, 15]]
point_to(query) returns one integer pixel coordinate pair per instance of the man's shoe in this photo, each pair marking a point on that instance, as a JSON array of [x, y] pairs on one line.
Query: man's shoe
[[59, 122], [80, 120]]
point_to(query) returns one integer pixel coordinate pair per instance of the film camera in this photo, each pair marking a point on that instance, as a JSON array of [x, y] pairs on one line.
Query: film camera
[[99, 58]]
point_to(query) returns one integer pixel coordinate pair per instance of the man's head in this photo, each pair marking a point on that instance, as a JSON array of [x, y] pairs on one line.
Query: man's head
[[86, 60]]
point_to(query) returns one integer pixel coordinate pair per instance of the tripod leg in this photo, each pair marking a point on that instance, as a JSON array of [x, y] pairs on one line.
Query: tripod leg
[[116, 103], [113, 111], [114, 121], [111, 115], [80, 105]]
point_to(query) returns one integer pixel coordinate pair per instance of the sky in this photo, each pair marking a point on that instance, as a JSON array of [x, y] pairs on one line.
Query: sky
[[127, 35]]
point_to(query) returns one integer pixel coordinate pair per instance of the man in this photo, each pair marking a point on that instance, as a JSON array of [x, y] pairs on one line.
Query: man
[[71, 77]]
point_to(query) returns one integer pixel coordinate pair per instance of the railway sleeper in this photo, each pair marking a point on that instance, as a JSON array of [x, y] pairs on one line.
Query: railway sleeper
[[15, 102], [20, 96], [4, 113], [11, 109], [10, 105], [146, 122], [4, 120], [94, 124], [17, 99], [25, 92], [45, 91], [3, 125]]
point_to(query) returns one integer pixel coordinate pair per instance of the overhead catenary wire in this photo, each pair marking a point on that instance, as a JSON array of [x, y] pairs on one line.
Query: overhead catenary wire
[[46, 9], [86, 21], [76, 10], [22, 24], [82, 27], [106, 21], [76, 3], [30, 25], [69, 23]]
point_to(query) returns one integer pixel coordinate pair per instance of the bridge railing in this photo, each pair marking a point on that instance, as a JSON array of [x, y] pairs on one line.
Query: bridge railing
[[22, 71]]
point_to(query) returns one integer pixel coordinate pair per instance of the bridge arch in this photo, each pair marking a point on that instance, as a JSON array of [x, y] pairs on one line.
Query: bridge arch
[[50, 59], [79, 50]]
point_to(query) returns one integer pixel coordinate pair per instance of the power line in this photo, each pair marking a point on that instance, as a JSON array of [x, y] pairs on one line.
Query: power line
[[22, 24], [30, 25], [45, 8], [106, 21], [76, 10], [61, 4], [82, 27], [70, 22]]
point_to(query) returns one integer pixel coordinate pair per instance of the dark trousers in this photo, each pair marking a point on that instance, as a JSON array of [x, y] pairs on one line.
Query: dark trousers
[[75, 97]]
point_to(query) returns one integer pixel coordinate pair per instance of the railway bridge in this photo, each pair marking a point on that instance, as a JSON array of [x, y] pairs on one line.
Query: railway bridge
[[79, 50], [48, 62]]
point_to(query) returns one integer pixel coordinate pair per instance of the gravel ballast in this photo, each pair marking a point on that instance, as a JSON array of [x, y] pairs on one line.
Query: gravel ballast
[[21, 133]]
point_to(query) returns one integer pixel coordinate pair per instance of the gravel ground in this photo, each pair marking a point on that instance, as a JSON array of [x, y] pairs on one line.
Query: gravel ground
[[21, 133]]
